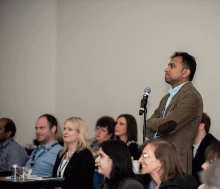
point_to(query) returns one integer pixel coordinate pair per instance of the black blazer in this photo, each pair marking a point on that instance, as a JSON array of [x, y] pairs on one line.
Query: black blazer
[[199, 159], [79, 171]]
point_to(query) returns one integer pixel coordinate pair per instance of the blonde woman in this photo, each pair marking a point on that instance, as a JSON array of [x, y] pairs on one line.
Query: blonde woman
[[75, 162]]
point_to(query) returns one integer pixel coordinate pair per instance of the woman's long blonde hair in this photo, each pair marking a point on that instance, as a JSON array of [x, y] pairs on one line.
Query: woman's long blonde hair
[[80, 125]]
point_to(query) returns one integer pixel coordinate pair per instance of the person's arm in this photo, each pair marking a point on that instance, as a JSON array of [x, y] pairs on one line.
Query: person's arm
[[157, 114], [185, 109], [17, 155]]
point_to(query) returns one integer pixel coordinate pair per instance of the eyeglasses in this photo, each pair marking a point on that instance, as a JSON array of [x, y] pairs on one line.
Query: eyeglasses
[[144, 155], [210, 161]]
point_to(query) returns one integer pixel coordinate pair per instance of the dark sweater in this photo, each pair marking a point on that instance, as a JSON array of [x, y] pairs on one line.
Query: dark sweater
[[179, 182], [79, 171]]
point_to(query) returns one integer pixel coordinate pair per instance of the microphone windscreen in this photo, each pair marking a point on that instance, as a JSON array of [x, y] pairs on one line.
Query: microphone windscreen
[[147, 90]]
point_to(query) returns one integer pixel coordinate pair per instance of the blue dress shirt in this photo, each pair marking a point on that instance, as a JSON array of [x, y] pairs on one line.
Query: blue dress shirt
[[43, 166]]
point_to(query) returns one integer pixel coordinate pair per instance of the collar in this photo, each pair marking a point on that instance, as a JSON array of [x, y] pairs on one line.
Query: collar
[[198, 144], [153, 184], [47, 145], [173, 91], [7, 142]]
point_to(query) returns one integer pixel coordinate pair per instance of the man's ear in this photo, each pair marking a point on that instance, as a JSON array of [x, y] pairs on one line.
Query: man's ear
[[202, 126], [54, 128], [186, 72], [8, 134]]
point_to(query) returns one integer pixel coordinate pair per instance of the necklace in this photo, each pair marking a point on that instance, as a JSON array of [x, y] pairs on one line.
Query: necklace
[[69, 156]]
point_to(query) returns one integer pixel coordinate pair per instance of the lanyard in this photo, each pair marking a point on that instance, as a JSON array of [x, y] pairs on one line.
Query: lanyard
[[61, 166], [33, 158]]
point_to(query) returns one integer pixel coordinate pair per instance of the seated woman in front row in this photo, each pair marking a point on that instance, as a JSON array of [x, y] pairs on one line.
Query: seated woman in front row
[[160, 159], [114, 162], [75, 162]]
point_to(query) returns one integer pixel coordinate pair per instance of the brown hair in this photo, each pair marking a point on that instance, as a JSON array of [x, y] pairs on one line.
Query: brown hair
[[166, 152], [212, 152], [131, 127], [107, 121], [206, 120]]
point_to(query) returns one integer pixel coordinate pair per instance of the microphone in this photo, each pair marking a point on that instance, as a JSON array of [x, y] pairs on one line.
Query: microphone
[[144, 100]]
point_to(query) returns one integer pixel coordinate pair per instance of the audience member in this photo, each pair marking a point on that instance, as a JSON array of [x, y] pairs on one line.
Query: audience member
[[202, 141], [104, 131], [126, 131], [160, 159], [75, 162], [211, 176], [10, 151], [179, 113], [212, 153], [114, 162], [42, 159], [105, 127]]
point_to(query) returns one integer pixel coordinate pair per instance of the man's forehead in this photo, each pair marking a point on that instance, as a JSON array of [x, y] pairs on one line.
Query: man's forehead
[[176, 59], [42, 121], [2, 123]]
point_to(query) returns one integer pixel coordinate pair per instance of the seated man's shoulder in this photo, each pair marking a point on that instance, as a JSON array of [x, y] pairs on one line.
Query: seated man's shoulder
[[56, 149], [15, 146]]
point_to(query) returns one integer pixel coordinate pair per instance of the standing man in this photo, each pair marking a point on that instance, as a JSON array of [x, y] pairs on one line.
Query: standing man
[[10, 151], [44, 157], [202, 141], [179, 113]]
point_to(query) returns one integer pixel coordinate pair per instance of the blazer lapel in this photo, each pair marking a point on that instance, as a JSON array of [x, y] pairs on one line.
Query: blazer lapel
[[173, 103]]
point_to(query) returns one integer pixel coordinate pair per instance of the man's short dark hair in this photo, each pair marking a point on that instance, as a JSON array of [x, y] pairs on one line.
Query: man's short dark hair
[[9, 126], [207, 121], [189, 62], [51, 119]]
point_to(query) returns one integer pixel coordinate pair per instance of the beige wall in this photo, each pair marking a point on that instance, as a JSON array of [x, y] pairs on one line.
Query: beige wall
[[27, 62], [94, 58]]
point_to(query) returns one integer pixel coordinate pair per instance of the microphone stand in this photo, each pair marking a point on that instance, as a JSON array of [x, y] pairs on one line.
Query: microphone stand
[[144, 126], [142, 110]]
